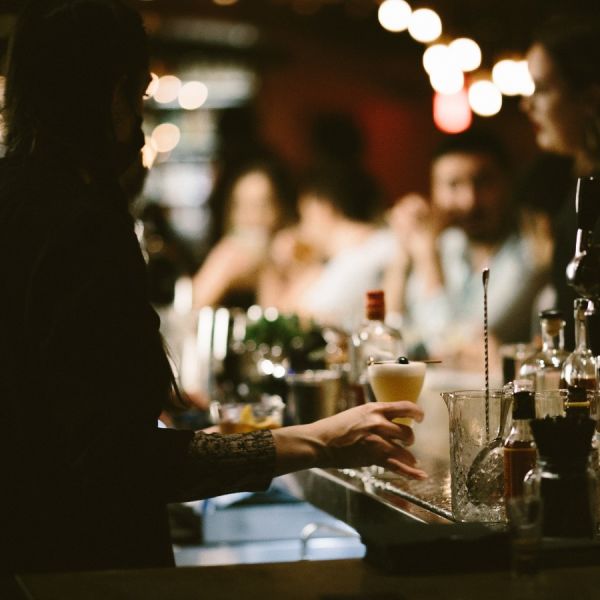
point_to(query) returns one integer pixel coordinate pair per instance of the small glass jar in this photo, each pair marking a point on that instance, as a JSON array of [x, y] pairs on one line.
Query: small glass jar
[[568, 490]]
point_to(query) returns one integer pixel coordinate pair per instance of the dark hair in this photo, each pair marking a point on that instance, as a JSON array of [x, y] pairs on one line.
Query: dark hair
[[350, 190], [545, 184], [572, 41], [277, 173], [335, 136], [65, 60], [474, 141]]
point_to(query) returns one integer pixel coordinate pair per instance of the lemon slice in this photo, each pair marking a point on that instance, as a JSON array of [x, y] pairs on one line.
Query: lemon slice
[[246, 416]]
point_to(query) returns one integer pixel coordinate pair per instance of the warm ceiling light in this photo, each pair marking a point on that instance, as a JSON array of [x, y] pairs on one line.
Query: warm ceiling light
[[168, 89], [225, 2], [505, 75], [425, 25], [436, 57], [193, 95], [165, 137], [447, 81], [394, 15], [451, 112], [466, 53], [526, 84], [485, 98], [152, 86], [148, 155]]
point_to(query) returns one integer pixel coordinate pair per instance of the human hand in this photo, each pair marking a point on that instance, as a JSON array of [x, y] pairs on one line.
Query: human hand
[[361, 436], [414, 224]]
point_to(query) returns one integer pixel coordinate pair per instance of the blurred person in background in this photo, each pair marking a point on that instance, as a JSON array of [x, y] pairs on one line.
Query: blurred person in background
[[259, 202], [565, 112], [238, 142], [443, 245], [322, 267], [87, 472]]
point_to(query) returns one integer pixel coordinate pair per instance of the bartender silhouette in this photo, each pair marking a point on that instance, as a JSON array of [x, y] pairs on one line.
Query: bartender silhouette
[[83, 374]]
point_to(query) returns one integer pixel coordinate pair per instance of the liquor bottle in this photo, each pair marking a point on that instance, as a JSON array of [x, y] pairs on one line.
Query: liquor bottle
[[373, 338], [577, 402], [583, 272], [519, 447], [544, 368], [579, 369]]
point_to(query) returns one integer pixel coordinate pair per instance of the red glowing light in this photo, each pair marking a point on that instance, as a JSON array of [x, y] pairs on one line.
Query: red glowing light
[[451, 112]]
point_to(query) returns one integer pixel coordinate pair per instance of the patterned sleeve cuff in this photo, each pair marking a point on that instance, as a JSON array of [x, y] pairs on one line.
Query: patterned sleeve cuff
[[222, 464]]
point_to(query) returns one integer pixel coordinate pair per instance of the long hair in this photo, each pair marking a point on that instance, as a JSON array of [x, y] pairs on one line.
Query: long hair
[[571, 39], [65, 60]]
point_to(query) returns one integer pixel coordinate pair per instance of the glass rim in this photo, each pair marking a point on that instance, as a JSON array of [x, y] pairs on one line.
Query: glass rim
[[474, 393]]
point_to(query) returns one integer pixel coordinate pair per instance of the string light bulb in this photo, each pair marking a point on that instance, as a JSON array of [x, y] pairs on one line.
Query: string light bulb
[[394, 15], [447, 80], [485, 99], [466, 53], [425, 25], [436, 57], [451, 112]]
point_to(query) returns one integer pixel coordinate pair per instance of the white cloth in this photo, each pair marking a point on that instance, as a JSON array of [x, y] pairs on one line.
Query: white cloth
[[452, 315], [337, 297]]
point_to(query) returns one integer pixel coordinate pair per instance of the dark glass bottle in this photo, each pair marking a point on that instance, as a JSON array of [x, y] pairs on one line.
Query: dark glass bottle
[[583, 272], [577, 402], [519, 447], [579, 369]]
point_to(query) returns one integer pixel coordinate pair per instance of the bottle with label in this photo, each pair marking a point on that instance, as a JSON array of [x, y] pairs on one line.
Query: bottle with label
[[519, 447], [579, 369], [544, 368], [375, 339]]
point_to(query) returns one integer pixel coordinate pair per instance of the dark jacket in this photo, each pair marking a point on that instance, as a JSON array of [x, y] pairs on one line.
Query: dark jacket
[[83, 377]]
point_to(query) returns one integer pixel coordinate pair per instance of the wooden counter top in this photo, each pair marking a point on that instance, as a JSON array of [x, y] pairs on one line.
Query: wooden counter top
[[321, 580]]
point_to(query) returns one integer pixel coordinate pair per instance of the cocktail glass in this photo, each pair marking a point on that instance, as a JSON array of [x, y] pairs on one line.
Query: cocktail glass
[[392, 381]]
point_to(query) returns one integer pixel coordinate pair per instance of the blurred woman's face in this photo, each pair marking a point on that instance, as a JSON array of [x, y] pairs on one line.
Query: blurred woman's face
[[556, 112], [253, 203], [316, 219]]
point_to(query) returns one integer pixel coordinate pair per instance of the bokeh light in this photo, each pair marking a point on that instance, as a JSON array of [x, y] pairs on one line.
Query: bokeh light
[[394, 15], [436, 57], [165, 137], [425, 25], [505, 75], [451, 112], [193, 95], [448, 80], [485, 98], [466, 53], [148, 154], [526, 84], [152, 86], [168, 89]]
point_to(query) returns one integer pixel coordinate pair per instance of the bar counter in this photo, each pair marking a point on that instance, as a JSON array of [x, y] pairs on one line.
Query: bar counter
[[320, 580], [415, 550]]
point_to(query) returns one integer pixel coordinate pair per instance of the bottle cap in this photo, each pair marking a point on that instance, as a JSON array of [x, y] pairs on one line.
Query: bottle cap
[[375, 305], [551, 314]]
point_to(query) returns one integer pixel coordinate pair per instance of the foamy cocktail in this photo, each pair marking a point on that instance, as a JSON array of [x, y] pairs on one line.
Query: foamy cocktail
[[393, 380]]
